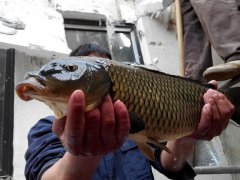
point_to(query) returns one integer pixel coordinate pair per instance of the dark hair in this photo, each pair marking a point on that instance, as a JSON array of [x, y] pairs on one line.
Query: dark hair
[[88, 48]]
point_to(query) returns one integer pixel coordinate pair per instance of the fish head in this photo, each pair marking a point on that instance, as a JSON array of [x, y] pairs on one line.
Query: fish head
[[54, 83]]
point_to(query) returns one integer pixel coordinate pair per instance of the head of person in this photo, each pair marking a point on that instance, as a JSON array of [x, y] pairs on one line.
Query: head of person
[[91, 49]]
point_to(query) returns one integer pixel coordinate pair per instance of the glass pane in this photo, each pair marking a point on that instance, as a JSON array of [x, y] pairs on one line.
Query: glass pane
[[122, 47], [78, 37]]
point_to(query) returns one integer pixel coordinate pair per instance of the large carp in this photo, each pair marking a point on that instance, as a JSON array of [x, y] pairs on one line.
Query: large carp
[[162, 107]]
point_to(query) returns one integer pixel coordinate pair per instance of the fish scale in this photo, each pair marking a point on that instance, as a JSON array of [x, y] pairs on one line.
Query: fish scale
[[176, 109]]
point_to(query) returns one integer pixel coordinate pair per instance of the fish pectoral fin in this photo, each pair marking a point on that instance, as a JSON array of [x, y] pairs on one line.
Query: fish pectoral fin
[[161, 146], [144, 143], [137, 124], [147, 150]]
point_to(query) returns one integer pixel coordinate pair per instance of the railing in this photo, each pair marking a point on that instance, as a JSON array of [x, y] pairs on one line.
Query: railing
[[217, 169]]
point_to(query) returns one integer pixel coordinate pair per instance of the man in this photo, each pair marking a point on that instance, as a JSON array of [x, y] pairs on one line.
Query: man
[[207, 23], [91, 49], [93, 145]]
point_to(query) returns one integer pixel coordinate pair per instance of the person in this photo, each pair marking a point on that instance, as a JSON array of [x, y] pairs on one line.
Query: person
[[211, 23], [93, 145], [91, 49]]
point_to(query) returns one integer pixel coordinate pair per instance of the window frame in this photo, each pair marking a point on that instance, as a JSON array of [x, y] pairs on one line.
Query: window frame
[[130, 28], [101, 26], [83, 24], [8, 114]]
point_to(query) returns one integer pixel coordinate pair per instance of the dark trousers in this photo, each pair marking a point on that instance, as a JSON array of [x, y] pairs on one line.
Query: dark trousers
[[206, 23]]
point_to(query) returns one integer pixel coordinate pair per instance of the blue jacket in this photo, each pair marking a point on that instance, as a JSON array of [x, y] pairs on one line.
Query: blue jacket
[[127, 163]]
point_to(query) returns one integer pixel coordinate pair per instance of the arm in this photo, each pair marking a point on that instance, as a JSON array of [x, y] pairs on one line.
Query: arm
[[87, 136], [214, 119], [71, 167]]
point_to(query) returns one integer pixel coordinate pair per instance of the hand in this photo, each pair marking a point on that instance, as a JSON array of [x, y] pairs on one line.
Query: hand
[[215, 115], [214, 119], [97, 132]]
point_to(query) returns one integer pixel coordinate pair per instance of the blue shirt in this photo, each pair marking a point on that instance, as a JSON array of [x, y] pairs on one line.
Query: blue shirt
[[127, 163]]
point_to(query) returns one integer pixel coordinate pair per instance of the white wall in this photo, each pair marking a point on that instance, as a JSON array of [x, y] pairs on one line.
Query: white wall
[[26, 114], [159, 44], [43, 27]]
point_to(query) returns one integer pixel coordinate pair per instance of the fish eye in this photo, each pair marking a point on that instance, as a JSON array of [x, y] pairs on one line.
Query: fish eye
[[71, 67]]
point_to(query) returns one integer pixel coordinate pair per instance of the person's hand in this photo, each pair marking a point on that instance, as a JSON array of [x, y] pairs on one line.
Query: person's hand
[[215, 115], [216, 112], [96, 132]]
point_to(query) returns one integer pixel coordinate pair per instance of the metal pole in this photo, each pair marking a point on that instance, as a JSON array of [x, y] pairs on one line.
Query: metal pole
[[217, 169], [180, 36]]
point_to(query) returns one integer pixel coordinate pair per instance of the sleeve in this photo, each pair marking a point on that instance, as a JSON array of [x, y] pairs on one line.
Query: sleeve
[[44, 149], [187, 173]]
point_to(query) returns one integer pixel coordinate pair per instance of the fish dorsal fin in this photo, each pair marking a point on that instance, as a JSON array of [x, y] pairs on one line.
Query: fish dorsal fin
[[150, 67], [155, 69], [137, 124], [144, 144]]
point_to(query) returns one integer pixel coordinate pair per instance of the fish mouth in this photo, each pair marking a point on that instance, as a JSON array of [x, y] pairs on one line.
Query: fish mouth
[[31, 88]]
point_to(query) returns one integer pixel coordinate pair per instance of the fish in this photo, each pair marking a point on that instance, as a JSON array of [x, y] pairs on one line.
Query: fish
[[161, 106]]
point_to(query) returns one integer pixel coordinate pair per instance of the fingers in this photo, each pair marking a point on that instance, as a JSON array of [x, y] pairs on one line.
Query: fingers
[[96, 132], [204, 124], [225, 109], [108, 129], [123, 121], [92, 132], [216, 121], [213, 82], [75, 122], [58, 126], [214, 125], [215, 115]]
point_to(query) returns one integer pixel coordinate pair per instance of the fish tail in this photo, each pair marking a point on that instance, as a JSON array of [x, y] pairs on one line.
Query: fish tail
[[233, 95]]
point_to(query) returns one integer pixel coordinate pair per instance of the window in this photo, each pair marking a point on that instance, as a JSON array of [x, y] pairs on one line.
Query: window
[[6, 111], [85, 31], [125, 46], [122, 38]]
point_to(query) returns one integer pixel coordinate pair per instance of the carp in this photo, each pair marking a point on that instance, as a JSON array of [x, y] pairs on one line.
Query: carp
[[161, 106]]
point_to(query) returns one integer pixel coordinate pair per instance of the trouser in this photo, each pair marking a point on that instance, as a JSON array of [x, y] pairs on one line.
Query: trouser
[[206, 23]]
